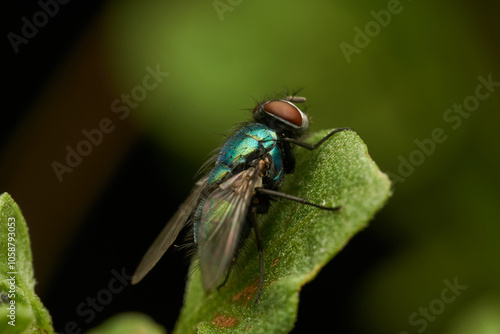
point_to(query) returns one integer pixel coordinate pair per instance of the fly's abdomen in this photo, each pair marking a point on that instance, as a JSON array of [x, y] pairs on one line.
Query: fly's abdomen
[[218, 174]]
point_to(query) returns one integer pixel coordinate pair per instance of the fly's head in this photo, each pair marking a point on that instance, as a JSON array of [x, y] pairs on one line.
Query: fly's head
[[283, 116]]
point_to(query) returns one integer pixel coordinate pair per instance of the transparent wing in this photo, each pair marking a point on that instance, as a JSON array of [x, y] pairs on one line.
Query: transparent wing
[[221, 220], [169, 233]]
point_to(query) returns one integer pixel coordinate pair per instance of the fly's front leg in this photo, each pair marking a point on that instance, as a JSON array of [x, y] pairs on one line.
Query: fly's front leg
[[311, 147]]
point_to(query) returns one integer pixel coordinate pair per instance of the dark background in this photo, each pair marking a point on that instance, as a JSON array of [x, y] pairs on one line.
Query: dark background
[[440, 224]]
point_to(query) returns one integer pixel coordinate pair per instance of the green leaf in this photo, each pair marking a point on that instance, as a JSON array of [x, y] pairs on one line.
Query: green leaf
[[21, 310], [129, 323], [298, 241]]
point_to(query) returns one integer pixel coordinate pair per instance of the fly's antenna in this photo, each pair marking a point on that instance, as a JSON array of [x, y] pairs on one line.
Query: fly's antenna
[[295, 99]]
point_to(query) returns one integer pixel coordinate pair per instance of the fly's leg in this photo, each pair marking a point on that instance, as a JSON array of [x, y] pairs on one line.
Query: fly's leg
[[256, 228], [311, 147], [295, 199], [228, 272]]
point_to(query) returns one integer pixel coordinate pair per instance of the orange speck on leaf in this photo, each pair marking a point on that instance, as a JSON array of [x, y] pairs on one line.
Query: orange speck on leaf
[[246, 293], [224, 321]]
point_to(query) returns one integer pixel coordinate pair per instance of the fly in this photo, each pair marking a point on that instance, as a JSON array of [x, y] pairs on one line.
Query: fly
[[247, 174]]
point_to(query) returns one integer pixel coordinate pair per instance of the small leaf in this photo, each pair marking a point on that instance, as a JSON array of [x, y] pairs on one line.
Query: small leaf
[[21, 310], [129, 323], [298, 241]]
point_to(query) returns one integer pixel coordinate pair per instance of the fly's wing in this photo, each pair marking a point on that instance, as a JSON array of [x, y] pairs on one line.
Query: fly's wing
[[221, 220], [169, 233]]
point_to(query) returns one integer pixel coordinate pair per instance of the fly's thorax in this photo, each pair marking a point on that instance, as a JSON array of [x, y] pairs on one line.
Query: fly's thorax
[[250, 142], [247, 144]]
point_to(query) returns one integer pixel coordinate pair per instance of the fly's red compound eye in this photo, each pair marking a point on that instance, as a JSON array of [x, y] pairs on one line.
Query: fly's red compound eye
[[284, 110], [283, 116]]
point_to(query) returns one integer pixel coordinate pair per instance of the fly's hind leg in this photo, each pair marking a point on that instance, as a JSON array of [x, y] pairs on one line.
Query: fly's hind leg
[[256, 228], [228, 273]]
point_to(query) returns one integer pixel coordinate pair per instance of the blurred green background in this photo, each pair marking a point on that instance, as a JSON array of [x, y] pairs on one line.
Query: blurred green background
[[417, 61]]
